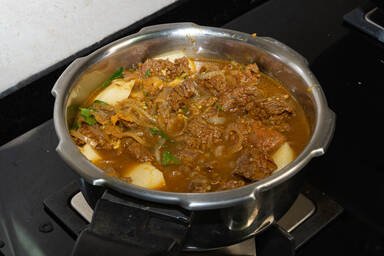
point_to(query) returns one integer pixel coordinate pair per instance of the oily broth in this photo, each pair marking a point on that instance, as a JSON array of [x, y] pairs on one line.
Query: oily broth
[[299, 133]]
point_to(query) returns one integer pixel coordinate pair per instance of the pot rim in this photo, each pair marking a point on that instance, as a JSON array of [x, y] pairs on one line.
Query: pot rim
[[321, 137]]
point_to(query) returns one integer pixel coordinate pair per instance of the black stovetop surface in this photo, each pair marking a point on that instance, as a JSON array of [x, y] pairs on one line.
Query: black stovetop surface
[[350, 68]]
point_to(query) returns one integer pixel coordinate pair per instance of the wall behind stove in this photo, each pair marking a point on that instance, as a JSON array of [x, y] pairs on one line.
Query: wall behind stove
[[35, 35]]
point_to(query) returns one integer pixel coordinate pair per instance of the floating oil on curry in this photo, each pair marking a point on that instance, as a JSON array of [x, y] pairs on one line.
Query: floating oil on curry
[[190, 125]]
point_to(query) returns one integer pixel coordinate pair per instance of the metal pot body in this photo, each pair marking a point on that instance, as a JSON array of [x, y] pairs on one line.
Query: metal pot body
[[220, 218]]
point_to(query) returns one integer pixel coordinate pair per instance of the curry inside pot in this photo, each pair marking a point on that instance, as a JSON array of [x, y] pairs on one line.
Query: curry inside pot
[[190, 125]]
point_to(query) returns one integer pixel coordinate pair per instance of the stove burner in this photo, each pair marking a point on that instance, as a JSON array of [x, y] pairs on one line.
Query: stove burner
[[302, 209], [308, 215]]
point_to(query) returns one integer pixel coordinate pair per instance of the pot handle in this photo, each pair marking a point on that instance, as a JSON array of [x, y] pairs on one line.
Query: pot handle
[[127, 226], [60, 84], [326, 135]]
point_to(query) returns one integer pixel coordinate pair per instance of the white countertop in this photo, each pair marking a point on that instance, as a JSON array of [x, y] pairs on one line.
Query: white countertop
[[35, 35]]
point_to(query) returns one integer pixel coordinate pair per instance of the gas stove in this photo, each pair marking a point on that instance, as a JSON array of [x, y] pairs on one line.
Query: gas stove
[[311, 212], [66, 212]]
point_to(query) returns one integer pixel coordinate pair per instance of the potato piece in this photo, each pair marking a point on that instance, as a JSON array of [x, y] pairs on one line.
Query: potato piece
[[117, 91], [146, 175], [171, 56], [89, 153], [283, 156]]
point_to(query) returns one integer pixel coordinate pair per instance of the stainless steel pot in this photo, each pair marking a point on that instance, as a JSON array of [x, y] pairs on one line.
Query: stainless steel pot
[[227, 216]]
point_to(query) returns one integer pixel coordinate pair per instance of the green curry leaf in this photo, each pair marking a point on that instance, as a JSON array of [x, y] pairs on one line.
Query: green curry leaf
[[88, 116], [100, 102], [219, 107], [162, 134], [168, 159], [118, 74], [147, 73]]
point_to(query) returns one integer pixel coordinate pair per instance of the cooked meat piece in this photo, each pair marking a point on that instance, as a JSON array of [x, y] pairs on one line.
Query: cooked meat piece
[[251, 74], [276, 106], [213, 81], [272, 108], [181, 67], [187, 88], [236, 76], [254, 165], [206, 134], [97, 135], [181, 93], [153, 67], [265, 138], [164, 69], [137, 151], [239, 98]]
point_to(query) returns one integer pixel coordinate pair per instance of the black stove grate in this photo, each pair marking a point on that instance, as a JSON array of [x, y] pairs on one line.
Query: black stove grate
[[275, 240]]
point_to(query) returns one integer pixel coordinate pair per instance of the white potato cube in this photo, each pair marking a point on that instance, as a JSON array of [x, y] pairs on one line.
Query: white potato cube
[[117, 91], [171, 56], [283, 156], [90, 153], [146, 175]]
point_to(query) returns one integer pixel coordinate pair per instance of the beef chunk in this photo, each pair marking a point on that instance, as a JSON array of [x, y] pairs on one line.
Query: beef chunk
[[213, 81], [251, 74], [239, 98], [236, 76], [272, 108], [254, 165], [164, 69], [277, 106], [265, 138], [181, 67], [137, 151], [181, 93], [203, 134], [187, 88]]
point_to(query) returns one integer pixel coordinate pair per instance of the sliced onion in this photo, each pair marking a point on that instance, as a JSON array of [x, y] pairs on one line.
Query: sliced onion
[[176, 134], [83, 138], [211, 74], [219, 151], [216, 120], [157, 149], [136, 137], [134, 105], [136, 116], [239, 142]]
